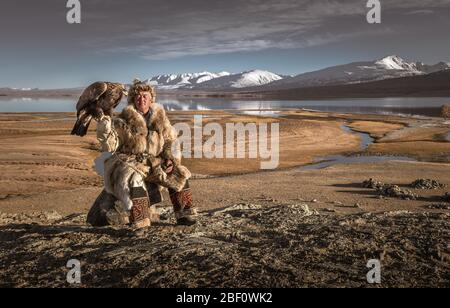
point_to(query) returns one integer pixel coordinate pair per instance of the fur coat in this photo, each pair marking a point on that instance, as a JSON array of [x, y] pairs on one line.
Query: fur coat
[[141, 147]]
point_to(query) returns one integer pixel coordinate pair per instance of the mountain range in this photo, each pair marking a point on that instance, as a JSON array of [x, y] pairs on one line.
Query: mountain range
[[207, 80], [260, 80], [436, 84]]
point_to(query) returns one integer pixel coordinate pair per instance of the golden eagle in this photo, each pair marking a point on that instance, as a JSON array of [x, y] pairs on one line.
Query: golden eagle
[[97, 100]]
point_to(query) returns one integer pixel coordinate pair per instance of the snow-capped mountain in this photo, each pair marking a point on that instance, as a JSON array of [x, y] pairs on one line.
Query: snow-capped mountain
[[357, 72], [441, 66], [187, 81], [396, 63], [242, 80], [207, 80]]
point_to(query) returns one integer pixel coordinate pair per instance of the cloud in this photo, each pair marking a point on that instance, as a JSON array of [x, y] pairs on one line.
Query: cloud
[[250, 26], [158, 30], [420, 12]]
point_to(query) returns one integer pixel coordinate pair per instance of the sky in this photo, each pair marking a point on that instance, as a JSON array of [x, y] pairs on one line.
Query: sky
[[119, 40]]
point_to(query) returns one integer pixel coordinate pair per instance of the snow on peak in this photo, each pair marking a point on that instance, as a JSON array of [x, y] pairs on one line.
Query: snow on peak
[[357, 72], [214, 80], [396, 63], [224, 73], [246, 79], [207, 76], [186, 80], [255, 78]]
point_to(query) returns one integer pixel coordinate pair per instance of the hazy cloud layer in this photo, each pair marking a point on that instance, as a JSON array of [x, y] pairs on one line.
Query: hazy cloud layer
[[162, 29], [174, 29]]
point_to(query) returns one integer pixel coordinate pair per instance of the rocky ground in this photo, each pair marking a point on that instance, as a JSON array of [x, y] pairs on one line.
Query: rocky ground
[[246, 245]]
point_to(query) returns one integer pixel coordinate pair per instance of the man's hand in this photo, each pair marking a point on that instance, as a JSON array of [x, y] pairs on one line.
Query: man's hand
[[168, 166]]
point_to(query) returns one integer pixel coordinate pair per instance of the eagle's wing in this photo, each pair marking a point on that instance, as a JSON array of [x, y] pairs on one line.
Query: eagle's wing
[[91, 94]]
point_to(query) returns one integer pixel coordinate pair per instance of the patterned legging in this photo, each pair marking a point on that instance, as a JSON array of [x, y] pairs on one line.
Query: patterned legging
[[182, 201]]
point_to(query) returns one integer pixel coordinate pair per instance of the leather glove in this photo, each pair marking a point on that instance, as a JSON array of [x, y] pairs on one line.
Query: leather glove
[[104, 126]]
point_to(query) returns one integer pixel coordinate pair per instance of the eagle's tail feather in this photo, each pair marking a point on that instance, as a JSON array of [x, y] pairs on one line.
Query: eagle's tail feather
[[81, 127]]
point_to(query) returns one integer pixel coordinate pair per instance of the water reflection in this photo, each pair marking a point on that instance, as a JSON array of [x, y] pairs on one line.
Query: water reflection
[[405, 106]]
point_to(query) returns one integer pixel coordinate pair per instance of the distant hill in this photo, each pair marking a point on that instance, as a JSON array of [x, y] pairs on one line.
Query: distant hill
[[431, 85], [357, 72], [10, 92]]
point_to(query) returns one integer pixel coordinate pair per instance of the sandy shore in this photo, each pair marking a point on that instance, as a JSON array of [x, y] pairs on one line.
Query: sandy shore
[[44, 169]]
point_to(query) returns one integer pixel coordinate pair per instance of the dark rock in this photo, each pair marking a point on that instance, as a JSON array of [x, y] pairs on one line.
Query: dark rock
[[395, 191], [373, 184], [426, 184]]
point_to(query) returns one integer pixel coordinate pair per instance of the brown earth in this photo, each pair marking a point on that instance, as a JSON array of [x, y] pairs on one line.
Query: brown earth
[[45, 170]]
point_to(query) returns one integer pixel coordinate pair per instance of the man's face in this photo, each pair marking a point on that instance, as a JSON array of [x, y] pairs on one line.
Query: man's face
[[143, 101]]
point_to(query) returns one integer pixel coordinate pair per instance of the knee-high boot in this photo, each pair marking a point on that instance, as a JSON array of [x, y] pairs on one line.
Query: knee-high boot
[[183, 205]]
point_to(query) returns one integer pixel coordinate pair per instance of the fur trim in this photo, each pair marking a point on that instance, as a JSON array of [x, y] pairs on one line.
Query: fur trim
[[162, 136], [159, 122], [178, 178], [132, 132], [122, 172]]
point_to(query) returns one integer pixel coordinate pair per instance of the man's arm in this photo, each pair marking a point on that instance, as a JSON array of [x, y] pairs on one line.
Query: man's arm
[[106, 135]]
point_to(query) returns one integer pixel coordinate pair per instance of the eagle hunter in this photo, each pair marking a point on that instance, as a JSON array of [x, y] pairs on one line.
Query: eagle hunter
[[96, 101]]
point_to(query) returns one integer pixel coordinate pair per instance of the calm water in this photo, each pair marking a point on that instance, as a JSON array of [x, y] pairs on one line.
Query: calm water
[[366, 140], [408, 106]]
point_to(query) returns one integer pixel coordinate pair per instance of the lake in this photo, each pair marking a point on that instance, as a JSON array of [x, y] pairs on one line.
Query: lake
[[388, 106]]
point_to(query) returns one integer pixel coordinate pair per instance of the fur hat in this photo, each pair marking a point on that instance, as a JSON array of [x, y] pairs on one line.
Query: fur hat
[[137, 87]]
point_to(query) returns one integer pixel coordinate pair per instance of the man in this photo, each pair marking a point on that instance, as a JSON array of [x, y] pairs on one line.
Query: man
[[151, 144]]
